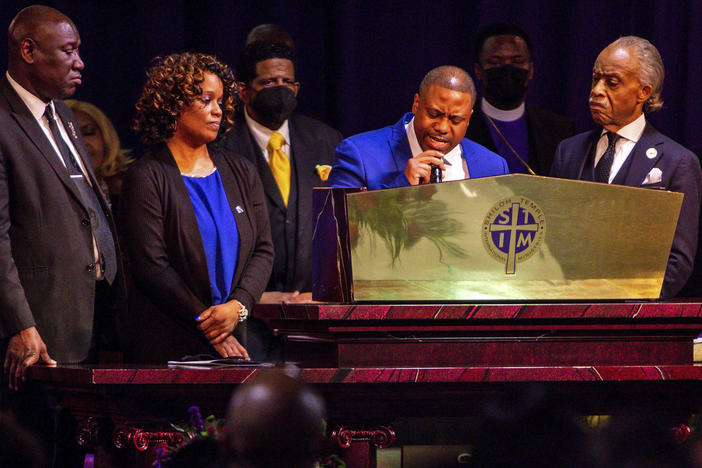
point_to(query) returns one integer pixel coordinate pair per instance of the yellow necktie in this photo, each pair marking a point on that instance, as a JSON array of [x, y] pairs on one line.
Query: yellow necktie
[[279, 164]]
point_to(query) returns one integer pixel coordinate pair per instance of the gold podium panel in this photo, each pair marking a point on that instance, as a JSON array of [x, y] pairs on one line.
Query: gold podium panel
[[513, 237]]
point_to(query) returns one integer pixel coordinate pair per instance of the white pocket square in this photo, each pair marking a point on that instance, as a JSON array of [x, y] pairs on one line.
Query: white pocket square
[[653, 177]]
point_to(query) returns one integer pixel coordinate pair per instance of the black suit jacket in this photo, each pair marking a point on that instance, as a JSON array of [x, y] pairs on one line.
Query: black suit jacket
[[167, 258], [312, 143], [546, 130], [680, 173], [46, 244]]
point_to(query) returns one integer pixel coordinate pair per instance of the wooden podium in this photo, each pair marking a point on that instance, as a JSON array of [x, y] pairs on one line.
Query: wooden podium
[[437, 299], [505, 238], [377, 363]]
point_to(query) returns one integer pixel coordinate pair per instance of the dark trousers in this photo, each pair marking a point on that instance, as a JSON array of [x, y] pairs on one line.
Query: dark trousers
[[34, 409]]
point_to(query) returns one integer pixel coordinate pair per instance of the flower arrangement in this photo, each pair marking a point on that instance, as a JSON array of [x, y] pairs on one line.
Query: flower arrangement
[[208, 427], [201, 441], [195, 431]]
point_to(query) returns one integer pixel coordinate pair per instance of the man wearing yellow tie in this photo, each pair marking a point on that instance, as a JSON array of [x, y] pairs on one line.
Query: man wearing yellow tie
[[291, 152]]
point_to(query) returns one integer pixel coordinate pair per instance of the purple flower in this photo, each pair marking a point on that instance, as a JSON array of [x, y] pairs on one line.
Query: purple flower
[[196, 419]]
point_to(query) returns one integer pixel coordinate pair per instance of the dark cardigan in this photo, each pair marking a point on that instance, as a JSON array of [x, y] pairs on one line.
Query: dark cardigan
[[168, 264]]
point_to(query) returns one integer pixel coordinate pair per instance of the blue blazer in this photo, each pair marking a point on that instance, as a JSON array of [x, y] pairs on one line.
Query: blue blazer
[[377, 159], [680, 173]]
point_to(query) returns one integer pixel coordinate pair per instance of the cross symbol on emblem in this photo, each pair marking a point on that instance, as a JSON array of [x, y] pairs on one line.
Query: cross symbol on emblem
[[517, 234]]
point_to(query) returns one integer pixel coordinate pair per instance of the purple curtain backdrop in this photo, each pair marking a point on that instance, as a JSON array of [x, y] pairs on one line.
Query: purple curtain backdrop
[[360, 61]]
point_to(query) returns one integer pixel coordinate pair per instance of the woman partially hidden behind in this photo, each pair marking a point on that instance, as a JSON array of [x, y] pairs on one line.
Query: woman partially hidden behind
[[195, 221]]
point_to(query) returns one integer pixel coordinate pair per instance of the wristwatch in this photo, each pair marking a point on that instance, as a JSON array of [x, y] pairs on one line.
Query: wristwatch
[[243, 312]]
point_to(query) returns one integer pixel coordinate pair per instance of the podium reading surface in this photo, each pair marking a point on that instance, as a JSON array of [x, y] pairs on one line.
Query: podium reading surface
[[513, 237]]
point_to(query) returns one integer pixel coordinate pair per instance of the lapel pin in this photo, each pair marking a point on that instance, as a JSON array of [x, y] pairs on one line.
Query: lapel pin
[[239, 209], [651, 153], [73, 130]]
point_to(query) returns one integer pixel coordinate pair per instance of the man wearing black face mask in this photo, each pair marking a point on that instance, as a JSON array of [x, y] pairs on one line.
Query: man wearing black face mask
[[502, 121], [293, 154]]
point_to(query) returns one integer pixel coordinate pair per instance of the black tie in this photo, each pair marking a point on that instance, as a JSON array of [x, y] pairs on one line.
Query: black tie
[[604, 166], [97, 219], [68, 159]]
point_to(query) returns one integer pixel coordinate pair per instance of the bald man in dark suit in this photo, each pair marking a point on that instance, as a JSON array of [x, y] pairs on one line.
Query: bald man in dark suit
[[58, 253], [59, 263]]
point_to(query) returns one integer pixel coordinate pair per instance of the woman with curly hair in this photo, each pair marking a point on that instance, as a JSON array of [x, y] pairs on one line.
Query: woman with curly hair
[[107, 156], [195, 221]]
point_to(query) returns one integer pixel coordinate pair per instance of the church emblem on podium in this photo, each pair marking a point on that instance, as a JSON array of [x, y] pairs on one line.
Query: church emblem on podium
[[513, 230]]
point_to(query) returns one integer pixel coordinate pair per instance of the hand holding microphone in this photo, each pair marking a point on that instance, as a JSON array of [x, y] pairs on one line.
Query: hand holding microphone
[[419, 168]]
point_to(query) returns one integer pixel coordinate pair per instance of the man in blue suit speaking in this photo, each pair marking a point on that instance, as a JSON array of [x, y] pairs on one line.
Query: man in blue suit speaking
[[625, 149], [432, 134]]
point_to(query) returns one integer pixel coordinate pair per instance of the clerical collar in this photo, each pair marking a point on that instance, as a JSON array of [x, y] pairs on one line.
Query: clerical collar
[[499, 114]]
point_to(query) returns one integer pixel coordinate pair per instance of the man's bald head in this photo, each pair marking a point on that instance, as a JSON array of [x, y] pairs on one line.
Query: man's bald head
[[32, 23], [43, 53], [449, 77], [275, 420]]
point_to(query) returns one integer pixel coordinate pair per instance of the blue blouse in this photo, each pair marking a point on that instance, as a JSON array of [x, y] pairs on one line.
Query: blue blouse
[[218, 230]]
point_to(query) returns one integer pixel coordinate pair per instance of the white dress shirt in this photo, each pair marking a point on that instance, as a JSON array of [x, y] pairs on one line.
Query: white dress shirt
[[456, 168], [262, 134], [630, 135], [37, 107]]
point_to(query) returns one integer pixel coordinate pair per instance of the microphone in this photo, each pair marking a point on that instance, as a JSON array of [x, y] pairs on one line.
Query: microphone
[[435, 176]]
